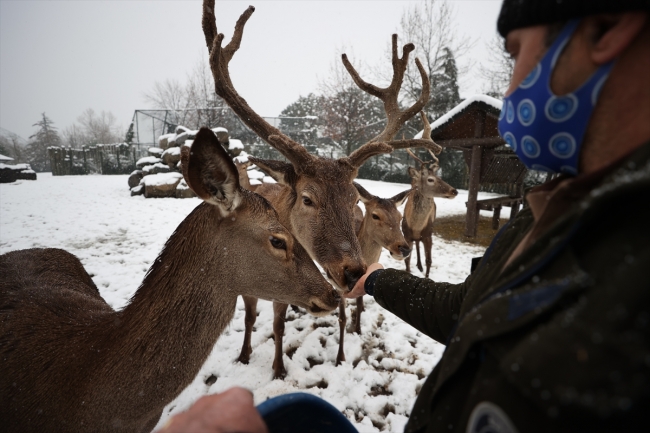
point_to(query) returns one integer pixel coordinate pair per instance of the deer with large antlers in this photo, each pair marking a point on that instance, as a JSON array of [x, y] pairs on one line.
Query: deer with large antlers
[[379, 228], [70, 363], [420, 209], [314, 196]]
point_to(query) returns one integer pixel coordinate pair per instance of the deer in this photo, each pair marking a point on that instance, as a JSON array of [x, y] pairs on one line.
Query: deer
[[314, 195], [70, 363], [244, 180], [379, 228], [420, 209]]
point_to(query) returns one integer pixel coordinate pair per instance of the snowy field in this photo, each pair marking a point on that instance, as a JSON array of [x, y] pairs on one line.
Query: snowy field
[[117, 237]]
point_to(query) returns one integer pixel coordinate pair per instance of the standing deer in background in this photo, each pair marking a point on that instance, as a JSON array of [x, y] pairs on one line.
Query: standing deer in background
[[379, 229], [242, 170], [314, 196], [420, 209], [70, 363]]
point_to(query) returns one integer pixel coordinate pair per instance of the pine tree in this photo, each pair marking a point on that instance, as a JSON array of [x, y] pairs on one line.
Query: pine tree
[[129, 134], [305, 130], [45, 137]]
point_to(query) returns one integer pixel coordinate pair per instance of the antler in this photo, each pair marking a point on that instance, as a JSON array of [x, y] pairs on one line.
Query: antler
[[219, 60], [415, 157], [395, 117]]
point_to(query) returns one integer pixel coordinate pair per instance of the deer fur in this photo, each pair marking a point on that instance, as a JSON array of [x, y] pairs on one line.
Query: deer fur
[[420, 209], [315, 197], [379, 228], [70, 363]]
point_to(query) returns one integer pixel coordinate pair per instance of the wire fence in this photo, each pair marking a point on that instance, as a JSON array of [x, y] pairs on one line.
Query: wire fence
[[100, 159]]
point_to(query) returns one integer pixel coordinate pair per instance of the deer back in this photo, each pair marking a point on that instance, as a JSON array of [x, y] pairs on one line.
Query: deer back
[[91, 368]]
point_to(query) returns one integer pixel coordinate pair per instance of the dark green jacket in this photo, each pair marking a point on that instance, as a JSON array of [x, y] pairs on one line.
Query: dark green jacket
[[560, 340]]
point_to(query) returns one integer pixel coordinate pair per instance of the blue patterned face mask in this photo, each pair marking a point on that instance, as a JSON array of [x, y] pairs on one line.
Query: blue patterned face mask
[[546, 130]]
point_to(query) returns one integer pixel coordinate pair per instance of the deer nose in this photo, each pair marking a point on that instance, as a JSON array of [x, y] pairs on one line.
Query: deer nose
[[406, 251], [352, 275], [454, 192]]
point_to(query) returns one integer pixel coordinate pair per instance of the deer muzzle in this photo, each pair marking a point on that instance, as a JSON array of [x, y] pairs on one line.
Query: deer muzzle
[[320, 306]]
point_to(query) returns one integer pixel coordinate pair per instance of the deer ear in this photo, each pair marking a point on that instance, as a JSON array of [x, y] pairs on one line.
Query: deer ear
[[209, 171], [400, 198], [364, 195], [281, 171], [414, 173]]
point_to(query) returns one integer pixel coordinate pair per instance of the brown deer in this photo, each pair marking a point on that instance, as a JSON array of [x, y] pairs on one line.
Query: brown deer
[[70, 363], [314, 196], [244, 180], [379, 228], [420, 209]]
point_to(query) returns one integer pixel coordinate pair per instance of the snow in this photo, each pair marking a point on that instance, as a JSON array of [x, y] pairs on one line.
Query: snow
[[159, 165], [155, 151], [172, 151], [5, 158], [16, 166], [161, 179], [460, 107], [117, 238], [219, 129], [233, 143], [148, 160]]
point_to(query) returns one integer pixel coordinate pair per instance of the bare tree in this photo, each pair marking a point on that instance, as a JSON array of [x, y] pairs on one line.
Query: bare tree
[[350, 116], [431, 26], [498, 70], [168, 94], [100, 128], [73, 136]]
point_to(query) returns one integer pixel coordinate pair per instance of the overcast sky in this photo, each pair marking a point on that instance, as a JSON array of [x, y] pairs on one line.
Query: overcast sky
[[61, 57]]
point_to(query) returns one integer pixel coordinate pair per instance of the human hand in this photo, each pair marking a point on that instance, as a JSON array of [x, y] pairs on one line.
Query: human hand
[[231, 411], [358, 289]]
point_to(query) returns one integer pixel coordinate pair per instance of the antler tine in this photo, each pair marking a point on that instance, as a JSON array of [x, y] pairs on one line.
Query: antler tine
[[415, 157], [426, 132], [389, 95], [219, 60]]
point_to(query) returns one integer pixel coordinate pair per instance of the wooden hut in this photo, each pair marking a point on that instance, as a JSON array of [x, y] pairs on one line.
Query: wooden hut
[[471, 127]]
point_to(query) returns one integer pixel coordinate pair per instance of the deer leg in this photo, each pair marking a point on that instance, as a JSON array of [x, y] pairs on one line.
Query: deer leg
[[250, 306], [417, 247], [340, 357], [357, 315], [427, 242], [279, 314], [407, 260]]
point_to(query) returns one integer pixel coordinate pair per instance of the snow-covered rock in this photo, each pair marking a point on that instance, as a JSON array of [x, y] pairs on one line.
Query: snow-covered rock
[[155, 151], [161, 185], [147, 160], [183, 190], [134, 178], [171, 156], [11, 173], [156, 168]]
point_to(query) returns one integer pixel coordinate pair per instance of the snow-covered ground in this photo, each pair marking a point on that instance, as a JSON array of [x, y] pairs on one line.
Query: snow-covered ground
[[117, 237]]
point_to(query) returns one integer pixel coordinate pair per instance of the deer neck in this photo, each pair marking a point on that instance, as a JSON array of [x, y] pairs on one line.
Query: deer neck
[[419, 209], [370, 247], [157, 344]]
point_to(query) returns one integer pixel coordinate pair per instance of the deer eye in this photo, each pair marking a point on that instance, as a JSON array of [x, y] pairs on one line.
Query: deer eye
[[278, 243], [307, 201], [375, 216], [430, 180]]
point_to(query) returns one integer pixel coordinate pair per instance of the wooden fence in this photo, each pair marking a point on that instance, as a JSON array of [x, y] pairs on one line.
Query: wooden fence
[[99, 159]]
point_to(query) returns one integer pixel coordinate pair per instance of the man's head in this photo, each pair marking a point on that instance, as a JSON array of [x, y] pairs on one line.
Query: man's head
[[616, 31]]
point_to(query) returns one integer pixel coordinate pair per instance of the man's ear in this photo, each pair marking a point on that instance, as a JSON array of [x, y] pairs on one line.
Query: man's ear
[[209, 171], [281, 171], [613, 33], [400, 198], [364, 195]]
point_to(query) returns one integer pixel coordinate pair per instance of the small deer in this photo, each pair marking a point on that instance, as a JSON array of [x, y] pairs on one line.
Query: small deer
[[70, 363], [379, 228], [314, 196], [420, 209]]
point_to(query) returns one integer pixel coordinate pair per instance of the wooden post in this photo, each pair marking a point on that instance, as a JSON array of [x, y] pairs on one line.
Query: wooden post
[[471, 220], [83, 149]]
